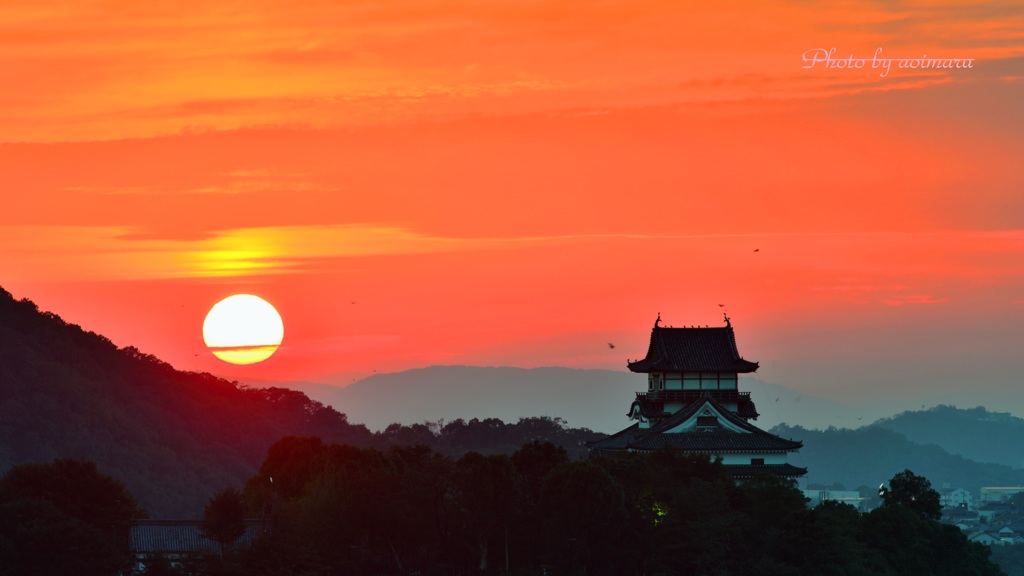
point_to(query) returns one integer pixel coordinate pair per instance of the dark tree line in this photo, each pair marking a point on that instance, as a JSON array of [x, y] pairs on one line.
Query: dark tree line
[[488, 436], [336, 509]]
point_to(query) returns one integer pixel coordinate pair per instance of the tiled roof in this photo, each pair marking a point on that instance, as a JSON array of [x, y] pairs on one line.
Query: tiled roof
[[750, 470], [714, 441], [731, 417], [616, 442], [648, 408], [692, 350], [181, 537], [746, 409]]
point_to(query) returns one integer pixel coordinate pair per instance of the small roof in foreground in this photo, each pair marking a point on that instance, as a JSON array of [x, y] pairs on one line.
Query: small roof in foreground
[[181, 537], [692, 350]]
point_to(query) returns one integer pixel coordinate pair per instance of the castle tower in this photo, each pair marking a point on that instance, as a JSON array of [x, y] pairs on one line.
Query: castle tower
[[693, 403]]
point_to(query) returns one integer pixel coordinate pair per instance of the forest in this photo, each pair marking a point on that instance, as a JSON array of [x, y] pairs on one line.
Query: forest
[[335, 509]]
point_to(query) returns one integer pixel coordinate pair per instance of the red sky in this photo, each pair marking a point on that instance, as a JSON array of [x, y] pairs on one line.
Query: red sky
[[519, 183]]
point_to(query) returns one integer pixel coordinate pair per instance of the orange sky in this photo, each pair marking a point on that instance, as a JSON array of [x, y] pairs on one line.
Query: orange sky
[[520, 183]]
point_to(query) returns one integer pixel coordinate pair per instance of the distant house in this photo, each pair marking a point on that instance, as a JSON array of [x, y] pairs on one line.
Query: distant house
[[993, 510], [693, 404], [1008, 536], [960, 516], [999, 493], [987, 538], [1014, 527], [956, 497], [179, 541], [851, 497]]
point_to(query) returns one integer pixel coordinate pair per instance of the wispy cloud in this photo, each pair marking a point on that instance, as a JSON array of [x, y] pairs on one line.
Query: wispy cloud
[[914, 299], [84, 71]]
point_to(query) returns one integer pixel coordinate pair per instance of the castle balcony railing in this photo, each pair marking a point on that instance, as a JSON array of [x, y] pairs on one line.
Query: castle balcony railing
[[691, 395]]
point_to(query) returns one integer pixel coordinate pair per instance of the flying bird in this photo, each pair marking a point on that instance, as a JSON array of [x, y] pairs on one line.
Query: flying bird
[[757, 249], [610, 345]]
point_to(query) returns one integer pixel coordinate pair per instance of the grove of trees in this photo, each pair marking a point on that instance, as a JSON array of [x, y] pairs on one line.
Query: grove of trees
[[335, 509]]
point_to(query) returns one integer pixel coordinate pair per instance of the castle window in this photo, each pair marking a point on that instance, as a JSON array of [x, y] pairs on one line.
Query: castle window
[[691, 381], [707, 422]]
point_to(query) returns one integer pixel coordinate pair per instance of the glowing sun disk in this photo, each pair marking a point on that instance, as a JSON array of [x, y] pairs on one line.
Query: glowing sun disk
[[243, 329]]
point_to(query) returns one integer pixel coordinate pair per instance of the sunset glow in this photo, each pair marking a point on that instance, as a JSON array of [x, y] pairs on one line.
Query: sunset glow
[[520, 183]]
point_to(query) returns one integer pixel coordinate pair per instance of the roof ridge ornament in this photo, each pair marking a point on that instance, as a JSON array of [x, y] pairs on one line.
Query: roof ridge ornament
[[658, 321], [728, 324]]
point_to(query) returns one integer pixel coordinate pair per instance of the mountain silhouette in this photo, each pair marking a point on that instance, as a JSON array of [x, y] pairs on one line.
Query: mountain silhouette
[[174, 438]]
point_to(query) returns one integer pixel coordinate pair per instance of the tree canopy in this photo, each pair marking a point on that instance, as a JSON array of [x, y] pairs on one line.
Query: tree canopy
[[64, 518], [412, 510], [915, 492]]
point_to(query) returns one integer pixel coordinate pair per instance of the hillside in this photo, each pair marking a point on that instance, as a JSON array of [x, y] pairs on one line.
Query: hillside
[[173, 438], [871, 455], [974, 433]]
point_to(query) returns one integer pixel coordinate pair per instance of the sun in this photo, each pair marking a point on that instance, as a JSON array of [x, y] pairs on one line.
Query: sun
[[243, 329]]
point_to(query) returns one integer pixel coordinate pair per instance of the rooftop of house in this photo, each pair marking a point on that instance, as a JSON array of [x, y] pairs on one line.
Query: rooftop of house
[[181, 537]]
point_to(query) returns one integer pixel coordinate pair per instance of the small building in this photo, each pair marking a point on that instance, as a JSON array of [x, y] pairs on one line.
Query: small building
[[987, 538], [851, 497], [693, 403], [1015, 527], [999, 493], [179, 541], [993, 511], [960, 517], [956, 498]]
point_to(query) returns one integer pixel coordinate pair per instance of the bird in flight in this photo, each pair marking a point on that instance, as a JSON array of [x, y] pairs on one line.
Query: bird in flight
[[757, 249], [610, 345]]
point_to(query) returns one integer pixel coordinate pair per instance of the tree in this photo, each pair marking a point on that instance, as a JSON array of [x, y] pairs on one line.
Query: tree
[[586, 511], [64, 518], [486, 494], [224, 518], [914, 492]]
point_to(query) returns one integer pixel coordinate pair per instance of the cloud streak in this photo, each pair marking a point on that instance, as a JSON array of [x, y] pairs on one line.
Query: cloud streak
[[84, 71]]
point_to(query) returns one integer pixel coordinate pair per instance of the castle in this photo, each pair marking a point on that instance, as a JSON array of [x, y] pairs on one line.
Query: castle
[[693, 404]]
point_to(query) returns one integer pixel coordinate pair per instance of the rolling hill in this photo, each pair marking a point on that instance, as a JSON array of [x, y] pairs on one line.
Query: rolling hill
[[173, 438]]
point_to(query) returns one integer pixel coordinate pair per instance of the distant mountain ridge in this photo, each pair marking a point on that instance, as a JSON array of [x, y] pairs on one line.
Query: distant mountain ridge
[[975, 433], [871, 455], [962, 447], [587, 398]]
